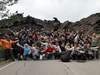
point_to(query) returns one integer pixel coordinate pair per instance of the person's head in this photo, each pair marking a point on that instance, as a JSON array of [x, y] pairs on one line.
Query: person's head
[[62, 45], [71, 45], [56, 43], [94, 34], [49, 44], [88, 45], [98, 37], [67, 46], [76, 45], [26, 45], [33, 45]]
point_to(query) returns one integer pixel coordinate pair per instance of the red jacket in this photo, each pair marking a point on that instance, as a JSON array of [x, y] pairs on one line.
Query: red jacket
[[50, 49]]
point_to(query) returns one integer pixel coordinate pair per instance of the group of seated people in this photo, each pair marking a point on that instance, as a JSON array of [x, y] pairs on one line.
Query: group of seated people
[[45, 51], [66, 46]]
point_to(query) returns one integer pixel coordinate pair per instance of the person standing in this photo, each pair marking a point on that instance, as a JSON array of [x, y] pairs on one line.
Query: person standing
[[7, 45]]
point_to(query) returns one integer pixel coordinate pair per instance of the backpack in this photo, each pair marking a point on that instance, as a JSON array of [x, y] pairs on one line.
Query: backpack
[[66, 57]]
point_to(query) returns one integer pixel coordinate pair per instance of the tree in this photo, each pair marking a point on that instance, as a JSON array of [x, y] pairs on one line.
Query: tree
[[3, 7]]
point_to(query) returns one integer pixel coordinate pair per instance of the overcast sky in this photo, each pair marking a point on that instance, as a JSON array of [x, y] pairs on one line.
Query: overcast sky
[[72, 10]]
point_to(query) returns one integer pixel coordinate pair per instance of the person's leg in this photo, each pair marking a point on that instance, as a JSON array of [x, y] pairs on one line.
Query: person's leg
[[36, 57], [97, 54], [21, 52], [86, 55], [15, 53], [41, 57], [11, 55], [25, 57], [57, 55], [75, 56], [49, 56], [6, 54], [33, 56]]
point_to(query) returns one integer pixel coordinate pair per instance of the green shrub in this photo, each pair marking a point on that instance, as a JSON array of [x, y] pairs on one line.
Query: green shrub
[[1, 53]]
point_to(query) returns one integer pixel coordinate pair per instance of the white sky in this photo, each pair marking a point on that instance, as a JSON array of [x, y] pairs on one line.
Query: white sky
[[72, 10]]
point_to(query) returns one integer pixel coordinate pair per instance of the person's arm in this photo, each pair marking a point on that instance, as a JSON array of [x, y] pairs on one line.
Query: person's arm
[[59, 49], [0, 43], [19, 45]]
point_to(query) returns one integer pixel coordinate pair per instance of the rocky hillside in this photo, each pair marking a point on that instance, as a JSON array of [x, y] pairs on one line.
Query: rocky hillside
[[17, 22], [89, 24]]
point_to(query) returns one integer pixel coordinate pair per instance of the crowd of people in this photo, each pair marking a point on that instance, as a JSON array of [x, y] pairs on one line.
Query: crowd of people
[[44, 45]]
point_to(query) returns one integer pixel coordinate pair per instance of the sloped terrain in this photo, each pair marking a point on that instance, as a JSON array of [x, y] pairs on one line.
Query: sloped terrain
[[17, 22]]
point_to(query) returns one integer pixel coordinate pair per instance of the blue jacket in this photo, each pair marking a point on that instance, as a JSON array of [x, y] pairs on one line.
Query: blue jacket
[[26, 51]]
